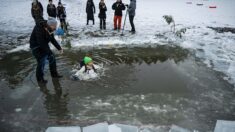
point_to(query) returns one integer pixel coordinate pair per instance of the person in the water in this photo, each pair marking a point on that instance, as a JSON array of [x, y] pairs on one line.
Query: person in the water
[[87, 64], [87, 70]]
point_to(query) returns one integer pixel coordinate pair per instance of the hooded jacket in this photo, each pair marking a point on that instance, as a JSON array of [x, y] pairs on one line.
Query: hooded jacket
[[132, 8], [118, 7]]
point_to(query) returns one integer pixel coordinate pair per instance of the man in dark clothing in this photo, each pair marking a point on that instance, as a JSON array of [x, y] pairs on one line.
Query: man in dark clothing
[[131, 10], [102, 14], [39, 44], [37, 11], [61, 14], [90, 10], [118, 7], [51, 9]]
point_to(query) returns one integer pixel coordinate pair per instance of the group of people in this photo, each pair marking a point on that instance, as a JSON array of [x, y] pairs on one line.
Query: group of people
[[43, 32], [52, 11], [118, 8]]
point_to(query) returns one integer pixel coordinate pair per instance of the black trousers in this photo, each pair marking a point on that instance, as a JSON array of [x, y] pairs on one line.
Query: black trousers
[[131, 18], [41, 62], [63, 24], [102, 23]]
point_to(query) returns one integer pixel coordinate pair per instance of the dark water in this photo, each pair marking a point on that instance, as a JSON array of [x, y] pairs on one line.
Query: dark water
[[143, 86]]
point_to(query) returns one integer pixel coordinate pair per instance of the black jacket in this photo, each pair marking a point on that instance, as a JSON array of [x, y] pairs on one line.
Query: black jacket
[[40, 39], [118, 7], [103, 10], [37, 11], [51, 10], [90, 9], [61, 13]]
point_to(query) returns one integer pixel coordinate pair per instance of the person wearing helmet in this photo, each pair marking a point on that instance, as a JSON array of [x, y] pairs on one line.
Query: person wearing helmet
[[87, 63]]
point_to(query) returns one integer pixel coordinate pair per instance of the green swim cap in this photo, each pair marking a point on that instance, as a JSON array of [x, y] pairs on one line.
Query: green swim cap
[[87, 60]]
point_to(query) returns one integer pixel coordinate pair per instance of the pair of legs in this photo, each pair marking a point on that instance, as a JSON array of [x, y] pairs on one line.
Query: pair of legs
[[41, 62], [92, 21], [131, 18], [117, 22], [102, 23], [63, 24]]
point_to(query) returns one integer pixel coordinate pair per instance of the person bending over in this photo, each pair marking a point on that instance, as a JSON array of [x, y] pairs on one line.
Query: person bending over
[[39, 44]]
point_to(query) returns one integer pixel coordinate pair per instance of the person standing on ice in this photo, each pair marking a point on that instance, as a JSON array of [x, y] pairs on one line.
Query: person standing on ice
[[61, 14], [90, 10], [118, 7], [39, 44], [37, 11], [51, 9], [102, 14], [131, 11]]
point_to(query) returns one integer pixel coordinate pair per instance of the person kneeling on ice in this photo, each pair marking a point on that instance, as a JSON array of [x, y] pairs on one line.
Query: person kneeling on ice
[[88, 69], [39, 44]]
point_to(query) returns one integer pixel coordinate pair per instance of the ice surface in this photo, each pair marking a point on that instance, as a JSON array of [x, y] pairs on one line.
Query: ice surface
[[114, 128], [127, 128], [64, 129], [100, 127], [175, 128], [225, 126]]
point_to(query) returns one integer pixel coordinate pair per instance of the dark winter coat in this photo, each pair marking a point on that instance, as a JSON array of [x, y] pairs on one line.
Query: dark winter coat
[[37, 11], [61, 13], [90, 10], [51, 10], [132, 8], [118, 7], [40, 39], [103, 10]]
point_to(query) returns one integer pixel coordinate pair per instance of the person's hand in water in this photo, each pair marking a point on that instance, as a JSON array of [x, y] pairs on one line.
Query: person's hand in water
[[61, 51]]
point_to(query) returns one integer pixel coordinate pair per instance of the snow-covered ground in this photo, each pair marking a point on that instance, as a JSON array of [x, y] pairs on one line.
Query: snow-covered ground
[[217, 50]]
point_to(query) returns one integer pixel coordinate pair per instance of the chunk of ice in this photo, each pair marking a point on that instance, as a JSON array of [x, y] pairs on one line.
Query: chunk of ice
[[127, 128], [64, 129], [18, 110], [225, 126], [100, 127], [114, 128], [175, 128]]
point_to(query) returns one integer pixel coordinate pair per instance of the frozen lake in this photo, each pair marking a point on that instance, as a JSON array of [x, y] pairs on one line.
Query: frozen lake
[[143, 86], [152, 79]]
